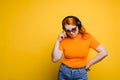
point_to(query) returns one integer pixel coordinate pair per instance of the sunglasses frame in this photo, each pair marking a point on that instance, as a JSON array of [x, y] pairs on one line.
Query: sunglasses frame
[[72, 30]]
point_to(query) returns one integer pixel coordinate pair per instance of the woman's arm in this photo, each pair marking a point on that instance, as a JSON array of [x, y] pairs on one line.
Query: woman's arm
[[102, 53], [56, 53]]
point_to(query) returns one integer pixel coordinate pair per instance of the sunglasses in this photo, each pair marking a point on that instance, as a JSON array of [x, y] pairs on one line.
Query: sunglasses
[[72, 30]]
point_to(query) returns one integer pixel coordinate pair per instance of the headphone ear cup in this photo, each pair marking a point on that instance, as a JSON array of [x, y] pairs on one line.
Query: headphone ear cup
[[78, 24]]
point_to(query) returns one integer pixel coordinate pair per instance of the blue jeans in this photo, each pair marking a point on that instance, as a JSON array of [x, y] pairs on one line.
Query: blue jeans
[[67, 73]]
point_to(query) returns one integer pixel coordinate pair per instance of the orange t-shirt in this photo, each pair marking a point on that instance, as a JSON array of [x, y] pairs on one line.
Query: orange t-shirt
[[76, 50]]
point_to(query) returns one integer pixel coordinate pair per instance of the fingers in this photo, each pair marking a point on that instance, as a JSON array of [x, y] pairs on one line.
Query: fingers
[[88, 69], [62, 35]]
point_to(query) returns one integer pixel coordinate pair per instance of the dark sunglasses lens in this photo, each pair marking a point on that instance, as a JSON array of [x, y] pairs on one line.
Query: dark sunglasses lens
[[74, 29], [67, 30]]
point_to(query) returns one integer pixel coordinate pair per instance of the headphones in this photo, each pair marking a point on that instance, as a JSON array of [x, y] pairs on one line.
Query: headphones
[[77, 20]]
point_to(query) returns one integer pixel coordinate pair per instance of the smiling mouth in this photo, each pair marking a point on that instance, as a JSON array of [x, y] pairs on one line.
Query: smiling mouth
[[73, 35]]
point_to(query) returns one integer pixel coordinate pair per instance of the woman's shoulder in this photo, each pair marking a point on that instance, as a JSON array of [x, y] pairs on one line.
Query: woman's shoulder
[[87, 35]]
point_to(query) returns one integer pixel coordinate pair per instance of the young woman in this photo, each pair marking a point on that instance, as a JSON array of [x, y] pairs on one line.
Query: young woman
[[74, 42]]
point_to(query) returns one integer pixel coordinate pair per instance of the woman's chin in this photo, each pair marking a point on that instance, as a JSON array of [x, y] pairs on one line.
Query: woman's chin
[[72, 36]]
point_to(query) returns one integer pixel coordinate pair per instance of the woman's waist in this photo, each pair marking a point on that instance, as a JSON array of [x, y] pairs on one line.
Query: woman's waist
[[74, 63], [70, 67]]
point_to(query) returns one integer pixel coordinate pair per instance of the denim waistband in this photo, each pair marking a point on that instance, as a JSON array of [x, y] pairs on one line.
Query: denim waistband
[[68, 73]]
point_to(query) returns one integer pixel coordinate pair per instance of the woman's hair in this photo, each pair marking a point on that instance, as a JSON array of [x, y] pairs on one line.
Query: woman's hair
[[72, 20]]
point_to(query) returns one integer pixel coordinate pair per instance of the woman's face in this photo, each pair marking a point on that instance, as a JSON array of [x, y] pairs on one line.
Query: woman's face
[[71, 30]]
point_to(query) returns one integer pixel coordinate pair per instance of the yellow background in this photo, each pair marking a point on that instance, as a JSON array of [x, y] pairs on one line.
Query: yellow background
[[29, 28]]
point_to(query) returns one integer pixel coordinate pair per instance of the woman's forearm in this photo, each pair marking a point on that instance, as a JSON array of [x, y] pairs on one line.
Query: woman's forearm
[[56, 53], [102, 53]]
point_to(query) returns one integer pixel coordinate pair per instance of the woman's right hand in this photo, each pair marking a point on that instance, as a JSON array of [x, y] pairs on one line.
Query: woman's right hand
[[61, 36]]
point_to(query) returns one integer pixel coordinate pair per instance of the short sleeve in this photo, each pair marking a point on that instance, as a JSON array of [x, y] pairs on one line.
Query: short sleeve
[[61, 47], [93, 42]]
